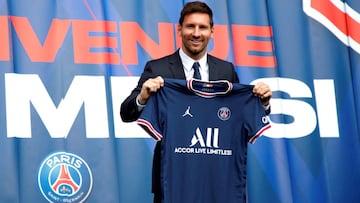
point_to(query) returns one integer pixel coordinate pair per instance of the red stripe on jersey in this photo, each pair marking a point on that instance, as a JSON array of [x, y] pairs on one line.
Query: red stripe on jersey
[[259, 133], [150, 129]]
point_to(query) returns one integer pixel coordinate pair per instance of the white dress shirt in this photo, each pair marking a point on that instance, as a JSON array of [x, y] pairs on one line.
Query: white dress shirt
[[188, 63]]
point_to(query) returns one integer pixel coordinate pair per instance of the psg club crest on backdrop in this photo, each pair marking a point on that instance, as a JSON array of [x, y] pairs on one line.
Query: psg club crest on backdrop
[[65, 177]]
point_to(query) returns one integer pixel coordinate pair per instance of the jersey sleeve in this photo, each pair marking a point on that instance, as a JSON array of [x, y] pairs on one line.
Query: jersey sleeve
[[258, 123], [149, 119]]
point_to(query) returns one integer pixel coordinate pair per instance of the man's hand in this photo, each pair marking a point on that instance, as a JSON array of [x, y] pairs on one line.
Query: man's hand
[[150, 86], [263, 91]]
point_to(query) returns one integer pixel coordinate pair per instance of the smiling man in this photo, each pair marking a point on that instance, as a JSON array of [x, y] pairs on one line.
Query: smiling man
[[196, 30]]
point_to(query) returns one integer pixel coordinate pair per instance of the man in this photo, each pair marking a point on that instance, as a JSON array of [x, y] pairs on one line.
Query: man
[[195, 29]]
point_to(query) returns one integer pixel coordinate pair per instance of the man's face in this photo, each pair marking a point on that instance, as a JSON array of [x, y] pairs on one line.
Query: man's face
[[195, 33]]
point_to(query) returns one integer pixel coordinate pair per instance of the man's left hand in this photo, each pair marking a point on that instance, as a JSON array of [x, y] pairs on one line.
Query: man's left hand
[[263, 91]]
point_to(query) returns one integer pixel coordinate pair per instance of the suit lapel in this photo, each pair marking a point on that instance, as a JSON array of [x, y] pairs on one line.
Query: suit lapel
[[176, 66], [213, 74]]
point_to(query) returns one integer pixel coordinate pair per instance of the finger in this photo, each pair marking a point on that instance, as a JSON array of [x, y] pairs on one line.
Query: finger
[[257, 87], [259, 91], [153, 84], [160, 80]]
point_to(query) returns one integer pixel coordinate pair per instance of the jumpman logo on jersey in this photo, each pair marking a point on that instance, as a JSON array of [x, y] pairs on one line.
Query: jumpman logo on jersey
[[187, 112]]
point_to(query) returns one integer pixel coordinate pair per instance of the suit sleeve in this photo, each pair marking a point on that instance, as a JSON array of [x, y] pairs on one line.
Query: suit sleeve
[[235, 78], [129, 110]]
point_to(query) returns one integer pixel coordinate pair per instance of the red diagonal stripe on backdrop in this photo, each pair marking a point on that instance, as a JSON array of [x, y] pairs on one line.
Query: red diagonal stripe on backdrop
[[343, 21]]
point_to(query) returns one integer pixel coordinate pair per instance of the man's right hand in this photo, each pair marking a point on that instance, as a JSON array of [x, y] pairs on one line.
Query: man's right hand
[[150, 86]]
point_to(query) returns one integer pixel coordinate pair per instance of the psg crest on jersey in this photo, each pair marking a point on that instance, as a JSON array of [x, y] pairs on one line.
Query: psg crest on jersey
[[65, 177], [224, 113]]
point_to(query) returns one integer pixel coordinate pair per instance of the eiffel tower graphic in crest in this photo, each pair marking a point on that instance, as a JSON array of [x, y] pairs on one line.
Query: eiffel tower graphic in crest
[[64, 183]]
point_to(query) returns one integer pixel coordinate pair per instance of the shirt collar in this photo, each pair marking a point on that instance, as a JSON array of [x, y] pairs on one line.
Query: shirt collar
[[188, 61]]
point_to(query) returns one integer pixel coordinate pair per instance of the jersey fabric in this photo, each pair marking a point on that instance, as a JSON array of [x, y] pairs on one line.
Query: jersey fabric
[[205, 128]]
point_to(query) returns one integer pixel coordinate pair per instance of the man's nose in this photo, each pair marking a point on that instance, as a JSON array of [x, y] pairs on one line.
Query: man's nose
[[196, 32]]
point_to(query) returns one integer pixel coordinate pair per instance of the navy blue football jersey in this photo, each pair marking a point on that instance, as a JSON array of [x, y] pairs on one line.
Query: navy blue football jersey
[[204, 128]]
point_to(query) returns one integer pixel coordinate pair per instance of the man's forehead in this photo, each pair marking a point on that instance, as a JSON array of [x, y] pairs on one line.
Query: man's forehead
[[198, 18]]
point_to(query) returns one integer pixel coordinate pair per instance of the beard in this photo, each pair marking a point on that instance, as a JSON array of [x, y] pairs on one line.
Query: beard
[[194, 51]]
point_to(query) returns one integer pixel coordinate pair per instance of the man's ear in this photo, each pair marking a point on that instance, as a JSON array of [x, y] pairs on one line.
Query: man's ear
[[178, 29]]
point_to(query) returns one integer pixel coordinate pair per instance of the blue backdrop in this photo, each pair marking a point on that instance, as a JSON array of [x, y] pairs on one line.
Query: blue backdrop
[[66, 66]]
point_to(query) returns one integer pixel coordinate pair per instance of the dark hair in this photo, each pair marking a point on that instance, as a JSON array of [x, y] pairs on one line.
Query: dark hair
[[196, 7]]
